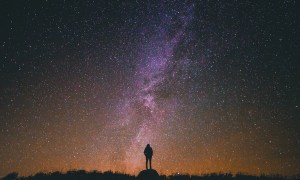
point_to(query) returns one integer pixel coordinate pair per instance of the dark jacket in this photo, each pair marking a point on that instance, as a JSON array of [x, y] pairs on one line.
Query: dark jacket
[[148, 151]]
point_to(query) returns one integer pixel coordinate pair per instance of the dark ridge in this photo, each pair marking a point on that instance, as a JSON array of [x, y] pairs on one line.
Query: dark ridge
[[109, 175]]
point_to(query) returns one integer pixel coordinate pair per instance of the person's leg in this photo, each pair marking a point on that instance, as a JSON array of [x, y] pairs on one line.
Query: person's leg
[[146, 162], [150, 159]]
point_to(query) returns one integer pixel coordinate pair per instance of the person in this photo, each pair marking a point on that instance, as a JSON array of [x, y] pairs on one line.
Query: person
[[148, 153]]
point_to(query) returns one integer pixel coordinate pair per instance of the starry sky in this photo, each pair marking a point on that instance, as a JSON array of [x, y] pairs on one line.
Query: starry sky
[[213, 86]]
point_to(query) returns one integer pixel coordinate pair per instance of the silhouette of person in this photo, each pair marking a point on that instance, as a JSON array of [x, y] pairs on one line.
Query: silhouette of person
[[148, 153]]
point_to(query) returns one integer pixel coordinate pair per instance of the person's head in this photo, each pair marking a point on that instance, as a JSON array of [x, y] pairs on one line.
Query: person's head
[[148, 145]]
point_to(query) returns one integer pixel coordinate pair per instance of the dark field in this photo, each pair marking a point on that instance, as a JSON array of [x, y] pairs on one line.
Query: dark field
[[96, 175]]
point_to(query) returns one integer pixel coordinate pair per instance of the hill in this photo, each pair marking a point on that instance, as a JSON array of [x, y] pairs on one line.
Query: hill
[[109, 175]]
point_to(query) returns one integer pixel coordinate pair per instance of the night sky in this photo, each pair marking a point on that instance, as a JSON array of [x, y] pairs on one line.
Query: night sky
[[213, 86]]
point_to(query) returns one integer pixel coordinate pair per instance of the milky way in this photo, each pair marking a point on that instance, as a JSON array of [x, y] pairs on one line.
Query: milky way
[[144, 107], [212, 86]]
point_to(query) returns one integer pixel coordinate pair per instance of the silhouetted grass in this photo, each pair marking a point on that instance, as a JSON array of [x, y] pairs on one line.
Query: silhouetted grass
[[109, 175]]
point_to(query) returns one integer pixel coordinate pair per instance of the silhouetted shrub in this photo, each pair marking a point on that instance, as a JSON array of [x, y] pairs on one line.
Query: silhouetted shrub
[[11, 176]]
